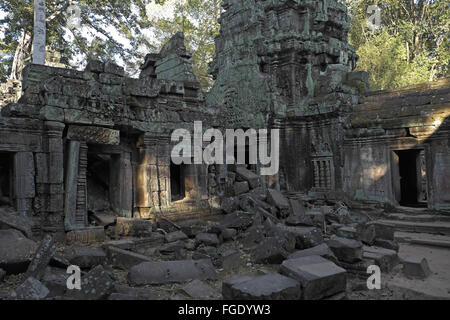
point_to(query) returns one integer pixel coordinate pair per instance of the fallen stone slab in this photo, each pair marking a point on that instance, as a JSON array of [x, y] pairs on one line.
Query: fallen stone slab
[[305, 237], [193, 227], [16, 251], [237, 220], [346, 250], [229, 205], [199, 290], [271, 251], [322, 250], [87, 236], [103, 220], [209, 239], [163, 272], [368, 235], [252, 178], [172, 247], [126, 227], [85, 257], [416, 267], [348, 232], [16, 221], [56, 281], [319, 277], [59, 261], [297, 209], [228, 234], [388, 244], [31, 289], [175, 236], [383, 230], [241, 188], [277, 199], [124, 259], [268, 287], [230, 259], [95, 285], [384, 258], [42, 258], [252, 237], [207, 252]]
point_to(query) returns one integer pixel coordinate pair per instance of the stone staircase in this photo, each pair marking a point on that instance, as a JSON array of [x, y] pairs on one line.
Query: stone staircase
[[420, 226]]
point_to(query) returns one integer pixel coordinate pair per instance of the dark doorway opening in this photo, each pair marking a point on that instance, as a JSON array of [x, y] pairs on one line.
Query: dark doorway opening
[[98, 183], [177, 183], [412, 174], [6, 173]]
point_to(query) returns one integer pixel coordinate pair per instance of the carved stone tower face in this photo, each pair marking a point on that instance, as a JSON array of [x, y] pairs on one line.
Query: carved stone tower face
[[273, 56]]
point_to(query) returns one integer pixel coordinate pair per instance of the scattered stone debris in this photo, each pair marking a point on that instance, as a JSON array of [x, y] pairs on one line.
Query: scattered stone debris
[[416, 267], [320, 278], [31, 289], [269, 287], [163, 272], [86, 176], [15, 260]]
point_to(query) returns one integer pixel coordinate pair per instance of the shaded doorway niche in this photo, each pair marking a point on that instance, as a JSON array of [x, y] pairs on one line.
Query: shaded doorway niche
[[410, 178], [177, 182], [6, 174], [98, 183]]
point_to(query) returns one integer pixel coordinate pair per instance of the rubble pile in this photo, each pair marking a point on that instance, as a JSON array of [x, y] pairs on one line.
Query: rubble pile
[[264, 246]]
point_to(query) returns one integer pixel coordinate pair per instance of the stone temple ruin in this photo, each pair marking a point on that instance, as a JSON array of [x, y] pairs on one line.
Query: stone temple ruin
[[85, 159]]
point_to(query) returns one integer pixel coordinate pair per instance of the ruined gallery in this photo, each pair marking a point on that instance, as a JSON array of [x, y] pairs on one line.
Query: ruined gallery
[[87, 180]]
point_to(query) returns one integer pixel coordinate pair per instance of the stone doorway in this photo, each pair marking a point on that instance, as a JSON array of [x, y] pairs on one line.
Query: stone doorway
[[410, 178], [177, 182], [6, 173]]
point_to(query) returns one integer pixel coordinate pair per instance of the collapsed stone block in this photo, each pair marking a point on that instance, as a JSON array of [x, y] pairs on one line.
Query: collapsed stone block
[[209, 239], [346, 250], [163, 272], [277, 199], [124, 259], [133, 227], [416, 267], [31, 289], [269, 287], [85, 257], [96, 285], [386, 259], [247, 175], [197, 289], [319, 278], [175, 236], [305, 237], [16, 260], [241, 188], [321, 250], [383, 230], [42, 258]]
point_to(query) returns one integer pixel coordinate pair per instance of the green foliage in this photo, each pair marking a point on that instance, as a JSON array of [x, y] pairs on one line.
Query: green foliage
[[94, 39], [412, 46], [198, 19]]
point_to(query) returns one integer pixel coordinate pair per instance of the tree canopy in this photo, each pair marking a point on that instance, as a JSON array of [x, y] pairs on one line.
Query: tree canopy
[[410, 47]]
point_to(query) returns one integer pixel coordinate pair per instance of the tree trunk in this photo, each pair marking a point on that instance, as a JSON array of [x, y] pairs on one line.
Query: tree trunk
[[23, 49]]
